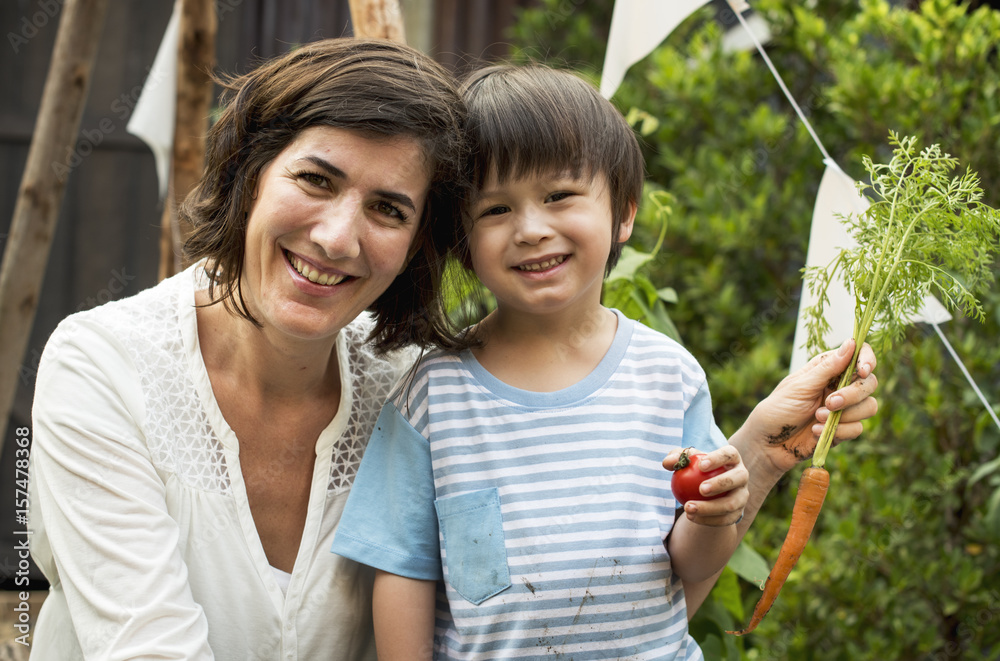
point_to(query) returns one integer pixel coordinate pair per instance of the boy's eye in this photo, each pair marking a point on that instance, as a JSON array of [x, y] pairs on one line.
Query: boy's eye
[[389, 209], [496, 210], [555, 197]]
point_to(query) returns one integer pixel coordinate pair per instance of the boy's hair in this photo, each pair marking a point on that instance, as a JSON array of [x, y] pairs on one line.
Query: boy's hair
[[377, 88], [533, 120]]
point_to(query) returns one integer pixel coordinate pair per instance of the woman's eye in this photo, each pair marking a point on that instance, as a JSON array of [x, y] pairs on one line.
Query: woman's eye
[[389, 209], [314, 179]]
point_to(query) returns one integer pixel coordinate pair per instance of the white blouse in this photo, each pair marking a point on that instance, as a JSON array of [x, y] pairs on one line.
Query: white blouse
[[139, 516]]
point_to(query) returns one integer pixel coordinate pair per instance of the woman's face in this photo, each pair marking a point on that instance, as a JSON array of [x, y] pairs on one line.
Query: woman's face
[[332, 224]]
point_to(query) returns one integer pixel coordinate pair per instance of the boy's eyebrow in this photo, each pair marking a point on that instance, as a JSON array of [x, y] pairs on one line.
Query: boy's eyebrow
[[337, 173]]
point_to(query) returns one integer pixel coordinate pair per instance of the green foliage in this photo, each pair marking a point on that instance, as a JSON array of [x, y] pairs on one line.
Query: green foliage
[[911, 527], [628, 290], [571, 32]]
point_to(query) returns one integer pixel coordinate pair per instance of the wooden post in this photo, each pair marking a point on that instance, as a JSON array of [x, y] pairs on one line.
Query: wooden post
[[380, 19], [418, 23], [43, 185], [195, 62]]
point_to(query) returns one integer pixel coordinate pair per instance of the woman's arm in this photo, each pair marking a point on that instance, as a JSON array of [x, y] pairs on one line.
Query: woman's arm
[[783, 430], [403, 609], [99, 512]]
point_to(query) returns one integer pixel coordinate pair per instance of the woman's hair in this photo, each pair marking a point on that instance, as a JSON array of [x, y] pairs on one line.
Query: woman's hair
[[533, 121], [378, 88]]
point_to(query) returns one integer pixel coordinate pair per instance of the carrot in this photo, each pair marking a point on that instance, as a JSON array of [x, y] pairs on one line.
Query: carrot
[[813, 485]]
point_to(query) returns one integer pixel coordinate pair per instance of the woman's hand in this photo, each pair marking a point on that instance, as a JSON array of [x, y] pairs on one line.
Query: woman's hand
[[728, 509], [790, 420]]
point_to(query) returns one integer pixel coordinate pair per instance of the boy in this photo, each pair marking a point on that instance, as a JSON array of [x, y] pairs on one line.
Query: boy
[[535, 457]]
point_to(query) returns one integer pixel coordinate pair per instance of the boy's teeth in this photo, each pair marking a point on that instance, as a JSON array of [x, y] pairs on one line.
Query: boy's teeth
[[316, 276], [541, 266]]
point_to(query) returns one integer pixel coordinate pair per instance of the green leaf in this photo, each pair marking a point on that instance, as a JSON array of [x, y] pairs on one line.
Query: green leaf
[[993, 509], [668, 294], [748, 564], [984, 470], [727, 590], [629, 264]]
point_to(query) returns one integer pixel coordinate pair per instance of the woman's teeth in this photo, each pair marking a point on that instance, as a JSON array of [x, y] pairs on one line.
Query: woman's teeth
[[313, 275], [541, 266]]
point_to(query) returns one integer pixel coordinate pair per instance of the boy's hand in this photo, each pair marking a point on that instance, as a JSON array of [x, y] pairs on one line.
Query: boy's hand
[[728, 509]]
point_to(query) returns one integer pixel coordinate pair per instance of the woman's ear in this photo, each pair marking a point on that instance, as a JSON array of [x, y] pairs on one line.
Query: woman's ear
[[628, 222], [415, 245]]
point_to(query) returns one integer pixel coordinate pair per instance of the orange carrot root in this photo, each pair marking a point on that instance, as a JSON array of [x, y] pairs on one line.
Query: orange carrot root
[[813, 486]]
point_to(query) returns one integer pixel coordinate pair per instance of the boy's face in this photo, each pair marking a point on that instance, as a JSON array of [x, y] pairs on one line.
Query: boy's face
[[541, 243]]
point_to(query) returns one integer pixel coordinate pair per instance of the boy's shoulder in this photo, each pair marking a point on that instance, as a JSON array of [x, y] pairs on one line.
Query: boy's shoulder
[[430, 365], [645, 336], [650, 346]]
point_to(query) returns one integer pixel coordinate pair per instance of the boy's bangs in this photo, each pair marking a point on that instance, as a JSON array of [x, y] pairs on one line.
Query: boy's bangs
[[524, 132]]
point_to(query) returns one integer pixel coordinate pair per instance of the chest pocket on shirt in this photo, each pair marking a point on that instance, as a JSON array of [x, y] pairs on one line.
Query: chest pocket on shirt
[[475, 551]]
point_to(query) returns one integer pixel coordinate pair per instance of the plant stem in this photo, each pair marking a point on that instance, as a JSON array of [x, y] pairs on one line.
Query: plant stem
[[830, 428]]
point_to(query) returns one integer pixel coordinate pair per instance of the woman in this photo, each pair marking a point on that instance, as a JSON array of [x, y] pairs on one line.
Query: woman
[[191, 459]]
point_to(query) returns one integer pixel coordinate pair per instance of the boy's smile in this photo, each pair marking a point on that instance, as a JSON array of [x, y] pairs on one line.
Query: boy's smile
[[541, 243], [543, 265]]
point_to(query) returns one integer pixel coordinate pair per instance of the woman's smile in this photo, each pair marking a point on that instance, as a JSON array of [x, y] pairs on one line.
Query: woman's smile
[[313, 273]]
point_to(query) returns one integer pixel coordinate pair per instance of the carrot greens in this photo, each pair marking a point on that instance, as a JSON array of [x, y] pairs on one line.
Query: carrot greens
[[925, 232]]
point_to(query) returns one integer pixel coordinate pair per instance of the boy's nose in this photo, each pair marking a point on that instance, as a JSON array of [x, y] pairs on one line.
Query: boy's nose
[[531, 227], [338, 232]]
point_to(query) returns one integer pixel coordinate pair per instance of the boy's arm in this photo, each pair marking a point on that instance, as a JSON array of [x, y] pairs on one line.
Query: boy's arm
[[403, 609], [705, 535], [761, 480], [697, 552]]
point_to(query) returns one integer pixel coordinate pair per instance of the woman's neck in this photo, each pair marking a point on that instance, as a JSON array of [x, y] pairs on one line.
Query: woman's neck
[[266, 366]]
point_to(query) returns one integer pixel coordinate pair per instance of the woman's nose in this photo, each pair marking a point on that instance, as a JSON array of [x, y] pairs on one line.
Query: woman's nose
[[339, 230]]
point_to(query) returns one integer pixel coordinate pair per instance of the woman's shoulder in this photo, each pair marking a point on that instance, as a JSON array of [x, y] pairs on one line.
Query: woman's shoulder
[[132, 326], [147, 308], [374, 372]]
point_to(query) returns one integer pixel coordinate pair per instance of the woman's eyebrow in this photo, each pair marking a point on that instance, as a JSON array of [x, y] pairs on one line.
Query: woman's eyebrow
[[331, 169], [398, 197], [336, 172]]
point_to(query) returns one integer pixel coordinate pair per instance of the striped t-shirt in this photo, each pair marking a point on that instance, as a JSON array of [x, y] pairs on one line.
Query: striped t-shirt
[[544, 513]]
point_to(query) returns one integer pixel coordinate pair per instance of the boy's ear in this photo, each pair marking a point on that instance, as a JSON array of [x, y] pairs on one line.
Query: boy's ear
[[628, 222]]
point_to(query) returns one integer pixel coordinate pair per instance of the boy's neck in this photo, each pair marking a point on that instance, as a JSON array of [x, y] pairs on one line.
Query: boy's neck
[[545, 354]]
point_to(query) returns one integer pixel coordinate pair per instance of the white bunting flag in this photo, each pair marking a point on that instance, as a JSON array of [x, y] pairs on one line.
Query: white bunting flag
[[153, 118], [838, 197], [637, 27]]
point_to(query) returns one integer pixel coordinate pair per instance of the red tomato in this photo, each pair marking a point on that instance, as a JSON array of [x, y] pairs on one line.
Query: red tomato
[[688, 477]]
